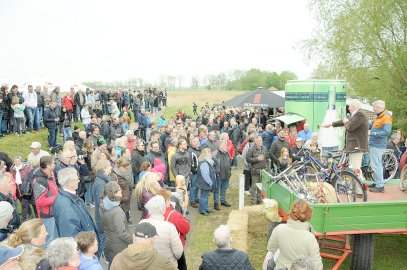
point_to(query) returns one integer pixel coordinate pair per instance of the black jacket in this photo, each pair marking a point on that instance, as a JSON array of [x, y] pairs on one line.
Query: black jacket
[[224, 259], [40, 99], [222, 165], [137, 158], [49, 117]]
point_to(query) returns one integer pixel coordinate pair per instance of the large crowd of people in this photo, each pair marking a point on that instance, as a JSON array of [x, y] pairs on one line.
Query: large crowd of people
[[165, 167]]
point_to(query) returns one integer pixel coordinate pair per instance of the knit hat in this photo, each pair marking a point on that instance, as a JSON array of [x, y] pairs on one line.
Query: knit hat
[[101, 141]]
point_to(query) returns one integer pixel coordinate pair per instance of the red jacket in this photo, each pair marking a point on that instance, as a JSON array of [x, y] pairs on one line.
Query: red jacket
[[23, 173], [44, 193], [180, 222], [68, 103], [231, 149]]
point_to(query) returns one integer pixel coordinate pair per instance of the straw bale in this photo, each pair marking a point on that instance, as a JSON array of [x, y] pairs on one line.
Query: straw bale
[[238, 223], [258, 223]]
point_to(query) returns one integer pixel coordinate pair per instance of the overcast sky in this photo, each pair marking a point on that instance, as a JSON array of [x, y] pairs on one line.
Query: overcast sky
[[115, 40]]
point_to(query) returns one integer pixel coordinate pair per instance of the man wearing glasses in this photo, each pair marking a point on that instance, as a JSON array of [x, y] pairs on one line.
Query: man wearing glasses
[[68, 160]]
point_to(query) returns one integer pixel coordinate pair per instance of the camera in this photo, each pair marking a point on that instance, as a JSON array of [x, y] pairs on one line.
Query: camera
[[81, 157]]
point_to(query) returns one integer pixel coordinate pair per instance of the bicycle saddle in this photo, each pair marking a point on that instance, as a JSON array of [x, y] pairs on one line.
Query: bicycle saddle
[[331, 154]]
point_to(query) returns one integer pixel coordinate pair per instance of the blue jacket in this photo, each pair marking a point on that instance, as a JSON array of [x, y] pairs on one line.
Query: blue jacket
[[305, 135], [222, 259], [71, 215], [206, 176], [267, 137], [380, 130], [100, 182], [89, 264]]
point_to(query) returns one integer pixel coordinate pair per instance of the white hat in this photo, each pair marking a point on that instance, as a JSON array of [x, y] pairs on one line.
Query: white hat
[[35, 145]]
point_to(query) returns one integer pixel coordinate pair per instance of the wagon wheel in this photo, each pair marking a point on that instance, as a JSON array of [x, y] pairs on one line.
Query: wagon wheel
[[403, 179], [362, 252], [390, 165]]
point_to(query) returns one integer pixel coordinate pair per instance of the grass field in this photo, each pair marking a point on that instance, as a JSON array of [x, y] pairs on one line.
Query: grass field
[[390, 250]]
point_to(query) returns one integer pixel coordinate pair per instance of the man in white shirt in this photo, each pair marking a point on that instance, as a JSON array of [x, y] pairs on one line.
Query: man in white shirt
[[36, 154], [30, 99]]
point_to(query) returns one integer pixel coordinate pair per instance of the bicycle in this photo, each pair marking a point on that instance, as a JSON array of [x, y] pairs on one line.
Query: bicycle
[[390, 166], [347, 185]]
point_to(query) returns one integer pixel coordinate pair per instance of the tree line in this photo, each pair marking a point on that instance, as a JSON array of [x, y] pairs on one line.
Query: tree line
[[233, 80]]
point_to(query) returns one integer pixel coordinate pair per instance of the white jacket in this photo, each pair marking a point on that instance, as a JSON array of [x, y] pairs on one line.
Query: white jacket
[[167, 242]]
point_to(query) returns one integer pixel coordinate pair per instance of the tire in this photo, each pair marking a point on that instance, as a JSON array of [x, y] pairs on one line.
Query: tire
[[349, 188], [362, 252], [390, 165]]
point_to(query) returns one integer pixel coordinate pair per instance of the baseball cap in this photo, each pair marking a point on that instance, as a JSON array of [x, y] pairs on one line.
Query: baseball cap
[[101, 141], [299, 139], [7, 253], [145, 230], [35, 145]]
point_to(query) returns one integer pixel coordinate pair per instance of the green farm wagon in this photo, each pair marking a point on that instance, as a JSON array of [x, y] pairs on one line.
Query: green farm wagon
[[348, 228]]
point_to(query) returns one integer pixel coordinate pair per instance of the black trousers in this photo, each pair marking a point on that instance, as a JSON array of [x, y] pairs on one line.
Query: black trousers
[[182, 262], [247, 180]]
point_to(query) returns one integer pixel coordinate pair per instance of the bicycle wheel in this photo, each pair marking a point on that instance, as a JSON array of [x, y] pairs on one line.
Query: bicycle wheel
[[403, 179], [390, 165], [349, 188]]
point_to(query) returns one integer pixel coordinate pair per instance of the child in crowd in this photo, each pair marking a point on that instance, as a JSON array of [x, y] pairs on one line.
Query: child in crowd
[[284, 159], [314, 150], [88, 246], [144, 168], [159, 167], [181, 193], [18, 110]]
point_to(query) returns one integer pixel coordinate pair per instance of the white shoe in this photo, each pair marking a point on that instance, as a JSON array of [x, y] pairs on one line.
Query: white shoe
[[247, 193]]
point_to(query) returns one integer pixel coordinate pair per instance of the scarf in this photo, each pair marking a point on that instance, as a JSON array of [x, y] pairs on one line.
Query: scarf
[[18, 175], [108, 204], [210, 161]]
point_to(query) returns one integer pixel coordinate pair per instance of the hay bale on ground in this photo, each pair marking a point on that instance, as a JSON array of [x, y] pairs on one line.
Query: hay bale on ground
[[258, 222], [237, 222]]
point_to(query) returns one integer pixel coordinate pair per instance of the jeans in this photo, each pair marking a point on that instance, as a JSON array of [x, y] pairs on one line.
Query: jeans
[[52, 138], [155, 110], [78, 112], [222, 186], [193, 193], [88, 193], [38, 118], [19, 124], [1, 121], [376, 165], [51, 230], [67, 133], [203, 201], [30, 115]]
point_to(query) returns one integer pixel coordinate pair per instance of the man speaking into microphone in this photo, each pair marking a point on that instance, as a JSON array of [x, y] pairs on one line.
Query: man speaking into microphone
[[356, 136]]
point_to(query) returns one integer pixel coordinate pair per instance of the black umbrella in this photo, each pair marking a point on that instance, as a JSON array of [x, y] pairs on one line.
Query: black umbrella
[[257, 98]]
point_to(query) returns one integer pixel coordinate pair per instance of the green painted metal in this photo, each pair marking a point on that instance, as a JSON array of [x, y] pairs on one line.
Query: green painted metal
[[343, 217]]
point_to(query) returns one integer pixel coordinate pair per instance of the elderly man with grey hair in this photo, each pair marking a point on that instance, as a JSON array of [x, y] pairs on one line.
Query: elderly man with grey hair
[[380, 129], [357, 129], [63, 253], [71, 215], [167, 242], [225, 257]]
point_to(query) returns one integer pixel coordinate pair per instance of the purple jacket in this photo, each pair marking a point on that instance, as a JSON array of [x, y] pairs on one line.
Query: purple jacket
[[145, 197]]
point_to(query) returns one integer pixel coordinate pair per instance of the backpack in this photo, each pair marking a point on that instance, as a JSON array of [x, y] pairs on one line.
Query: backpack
[[27, 188]]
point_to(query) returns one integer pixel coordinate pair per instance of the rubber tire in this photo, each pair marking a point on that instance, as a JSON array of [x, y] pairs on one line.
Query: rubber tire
[[356, 179], [362, 252]]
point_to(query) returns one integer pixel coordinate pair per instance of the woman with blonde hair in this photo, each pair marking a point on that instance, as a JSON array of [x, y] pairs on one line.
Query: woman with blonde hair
[[294, 239], [147, 187], [31, 235], [284, 159]]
